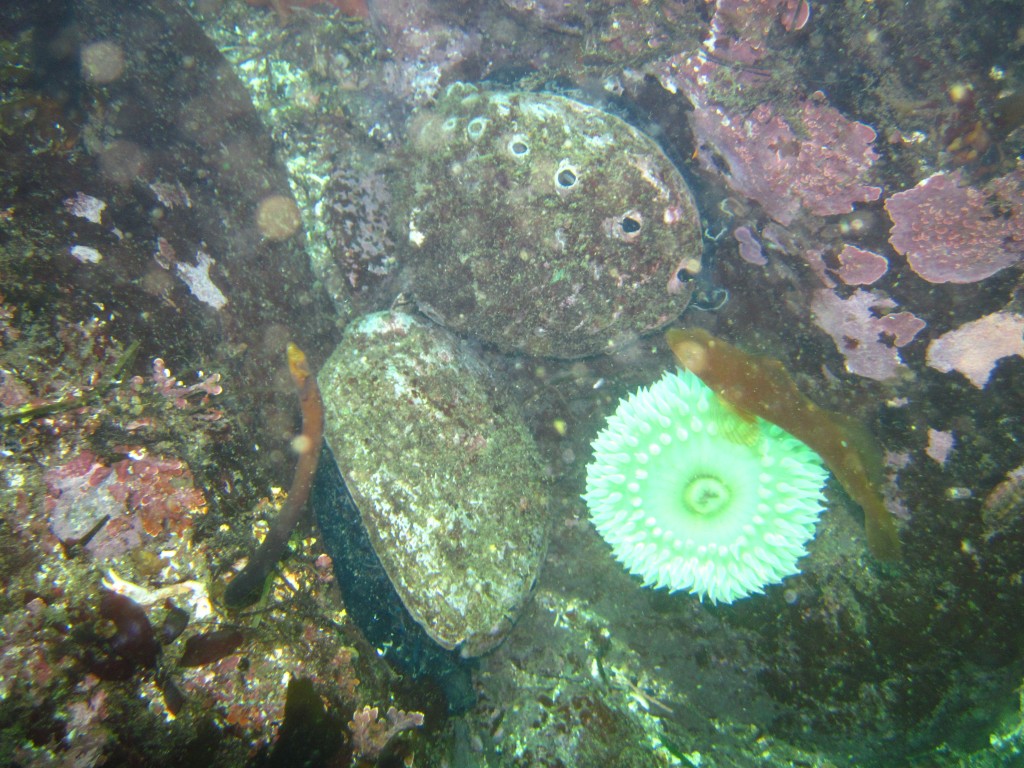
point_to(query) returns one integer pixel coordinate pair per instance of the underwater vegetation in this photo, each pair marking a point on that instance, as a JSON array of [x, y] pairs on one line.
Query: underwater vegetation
[[761, 388], [251, 578], [475, 219]]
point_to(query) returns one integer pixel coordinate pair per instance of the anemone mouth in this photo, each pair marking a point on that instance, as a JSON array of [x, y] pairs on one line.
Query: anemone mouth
[[707, 495], [685, 505]]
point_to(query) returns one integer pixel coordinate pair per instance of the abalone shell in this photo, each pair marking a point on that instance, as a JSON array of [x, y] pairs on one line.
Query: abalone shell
[[541, 224], [447, 479]]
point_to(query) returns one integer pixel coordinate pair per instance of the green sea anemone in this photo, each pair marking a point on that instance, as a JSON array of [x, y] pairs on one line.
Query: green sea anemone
[[691, 495]]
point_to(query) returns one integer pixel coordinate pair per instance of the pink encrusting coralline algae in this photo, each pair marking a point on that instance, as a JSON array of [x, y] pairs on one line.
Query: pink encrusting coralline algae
[[816, 161], [370, 733], [749, 247], [974, 348], [940, 445], [858, 332], [820, 169], [860, 267], [953, 233], [739, 29], [114, 507]]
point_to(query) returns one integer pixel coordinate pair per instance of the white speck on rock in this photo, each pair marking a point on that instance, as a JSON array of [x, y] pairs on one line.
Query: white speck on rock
[[85, 254], [85, 207], [197, 278]]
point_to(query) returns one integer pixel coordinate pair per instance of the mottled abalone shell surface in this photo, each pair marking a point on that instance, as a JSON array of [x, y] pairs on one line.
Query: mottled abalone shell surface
[[543, 225], [447, 479]]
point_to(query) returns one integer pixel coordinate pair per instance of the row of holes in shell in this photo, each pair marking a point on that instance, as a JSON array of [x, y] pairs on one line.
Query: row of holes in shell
[[566, 177]]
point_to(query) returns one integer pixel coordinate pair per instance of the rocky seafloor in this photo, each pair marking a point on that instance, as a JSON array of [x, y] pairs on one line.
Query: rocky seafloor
[[187, 188]]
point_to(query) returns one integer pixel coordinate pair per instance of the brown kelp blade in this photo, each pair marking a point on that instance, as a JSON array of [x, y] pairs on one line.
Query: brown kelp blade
[[760, 386], [244, 589]]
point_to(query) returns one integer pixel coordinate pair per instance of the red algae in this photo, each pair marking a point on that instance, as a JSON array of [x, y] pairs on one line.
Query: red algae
[[759, 386], [208, 647]]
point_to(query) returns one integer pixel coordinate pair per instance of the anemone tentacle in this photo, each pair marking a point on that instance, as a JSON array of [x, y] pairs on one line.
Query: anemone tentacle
[[690, 496]]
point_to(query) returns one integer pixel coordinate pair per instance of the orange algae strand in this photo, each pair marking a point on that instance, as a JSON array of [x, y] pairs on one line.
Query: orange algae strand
[[244, 589], [760, 386]]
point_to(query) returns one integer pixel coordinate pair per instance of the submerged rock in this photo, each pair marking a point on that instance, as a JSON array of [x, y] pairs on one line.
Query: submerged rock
[[543, 225], [444, 474]]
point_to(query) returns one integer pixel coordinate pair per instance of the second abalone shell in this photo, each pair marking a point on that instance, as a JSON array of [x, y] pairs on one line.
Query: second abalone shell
[[447, 479]]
